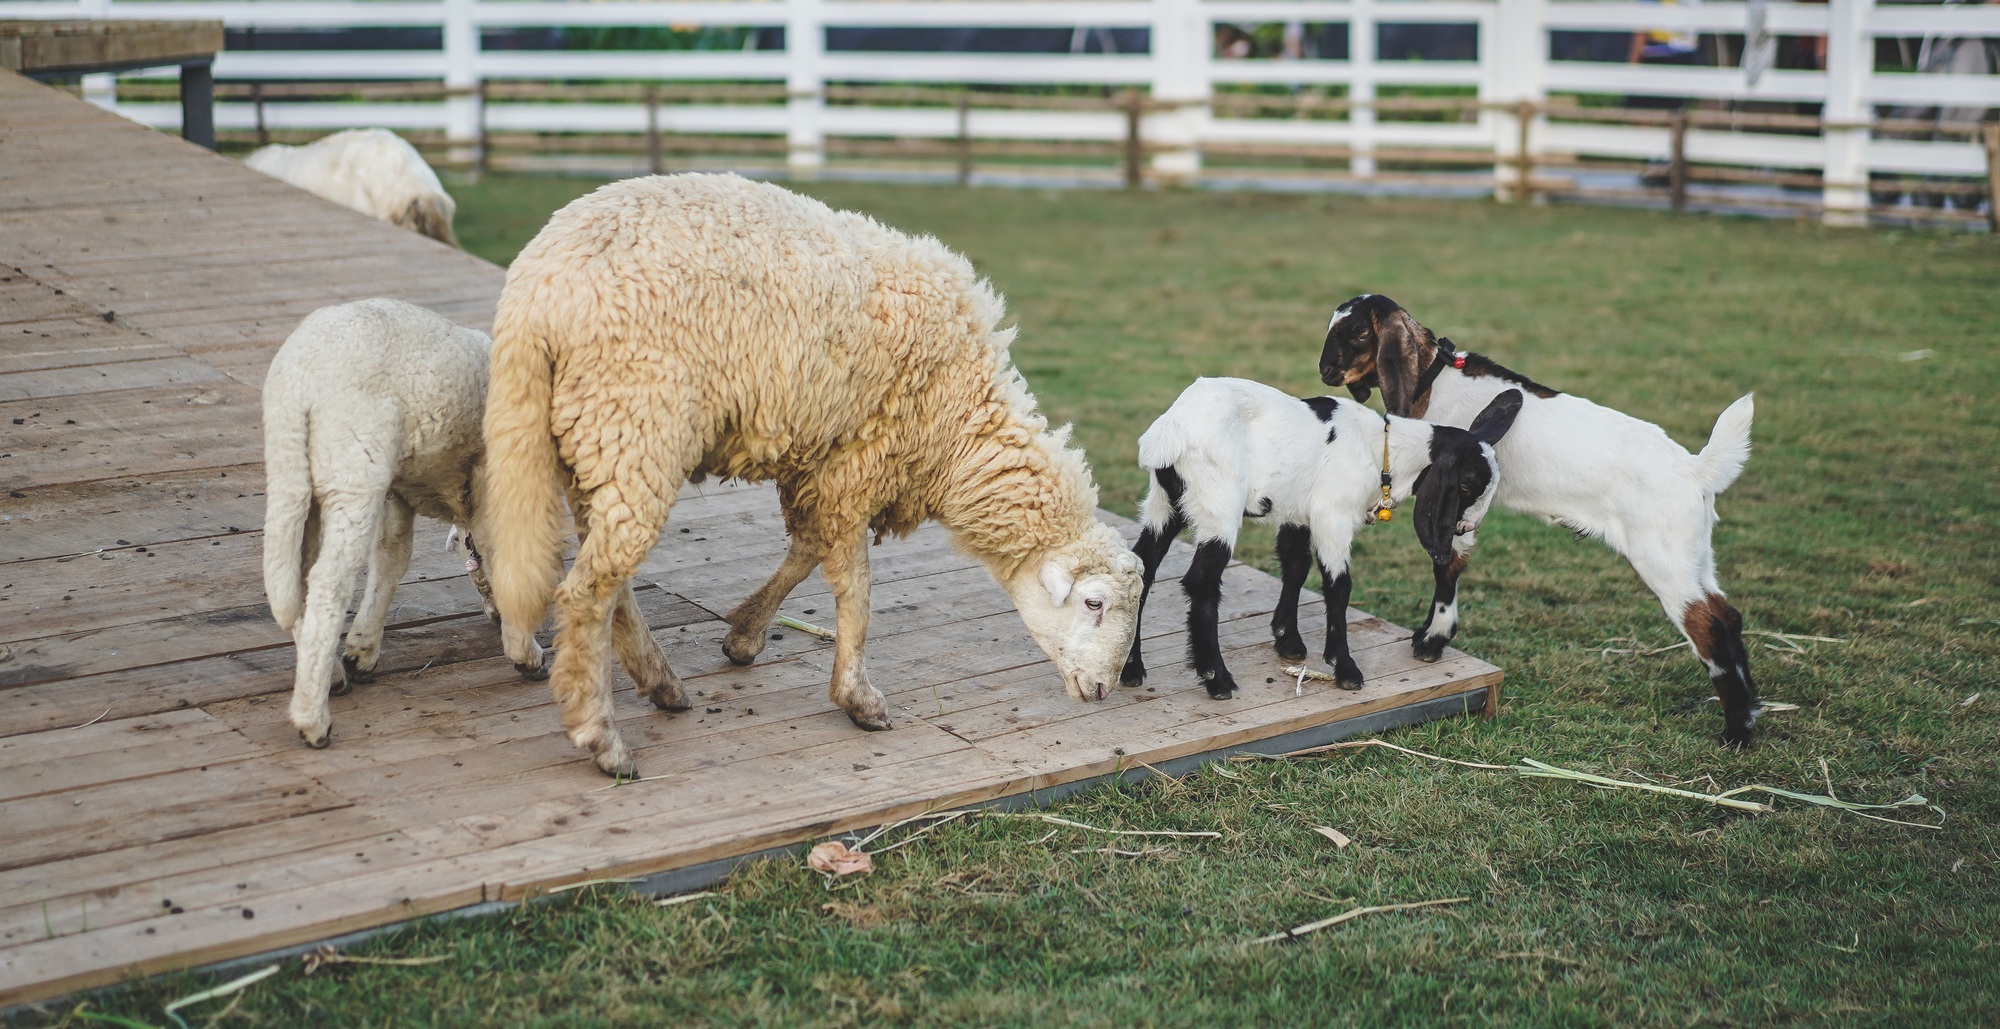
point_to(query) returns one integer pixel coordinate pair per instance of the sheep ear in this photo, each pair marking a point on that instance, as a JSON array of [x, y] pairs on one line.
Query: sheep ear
[[1057, 580], [1401, 348], [1498, 417]]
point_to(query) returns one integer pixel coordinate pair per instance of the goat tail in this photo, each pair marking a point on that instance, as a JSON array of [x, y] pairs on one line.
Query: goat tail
[[288, 500], [429, 216], [1162, 444], [1728, 447], [520, 516]]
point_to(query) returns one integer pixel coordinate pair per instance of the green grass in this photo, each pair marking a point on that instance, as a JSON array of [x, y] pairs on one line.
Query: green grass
[[1867, 513]]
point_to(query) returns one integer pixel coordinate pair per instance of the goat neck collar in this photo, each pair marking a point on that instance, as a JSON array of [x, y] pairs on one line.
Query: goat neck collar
[[1447, 354], [1387, 508]]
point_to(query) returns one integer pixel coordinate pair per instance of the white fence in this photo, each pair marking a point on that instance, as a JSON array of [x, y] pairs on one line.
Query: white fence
[[1181, 71]]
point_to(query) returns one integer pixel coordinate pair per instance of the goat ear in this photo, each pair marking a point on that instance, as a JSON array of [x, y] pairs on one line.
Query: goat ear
[[1401, 348], [1498, 417], [1433, 515], [1057, 580]]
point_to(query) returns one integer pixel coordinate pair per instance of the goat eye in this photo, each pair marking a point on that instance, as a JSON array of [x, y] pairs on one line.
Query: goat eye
[[1094, 604]]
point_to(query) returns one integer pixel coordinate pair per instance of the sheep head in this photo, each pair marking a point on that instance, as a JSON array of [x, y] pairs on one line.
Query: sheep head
[[1080, 602]]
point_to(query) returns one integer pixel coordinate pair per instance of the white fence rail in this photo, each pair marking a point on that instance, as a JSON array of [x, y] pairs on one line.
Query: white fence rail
[[1181, 70]]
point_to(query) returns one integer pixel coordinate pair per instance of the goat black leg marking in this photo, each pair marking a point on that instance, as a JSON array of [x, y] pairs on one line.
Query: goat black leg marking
[[1442, 623], [1294, 560], [1336, 589], [1716, 630], [1152, 548], [1203, 585]]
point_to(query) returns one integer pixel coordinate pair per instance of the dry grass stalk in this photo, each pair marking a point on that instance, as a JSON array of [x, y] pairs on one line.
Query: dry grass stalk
[[684, 898], [1053, 820], [1339, 838], [806, 627], [588, 883], [1312, 927], [1355, 744], [1115, 852], [325, 955], [172, 1010]]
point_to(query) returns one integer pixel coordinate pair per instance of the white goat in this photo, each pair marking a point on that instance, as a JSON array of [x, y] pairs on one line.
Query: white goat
[[1230, 449], [1570, 462], [371, 416], [370, 170]]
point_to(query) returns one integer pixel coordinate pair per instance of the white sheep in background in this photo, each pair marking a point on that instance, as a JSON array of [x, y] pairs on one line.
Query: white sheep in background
[[667, 327], [1230, 449], [1570, 462], [371, 416], [370, 170]]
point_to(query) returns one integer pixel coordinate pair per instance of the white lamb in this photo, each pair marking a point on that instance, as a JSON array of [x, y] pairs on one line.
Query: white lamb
[[371, 416], [665, 327], [370, 170]]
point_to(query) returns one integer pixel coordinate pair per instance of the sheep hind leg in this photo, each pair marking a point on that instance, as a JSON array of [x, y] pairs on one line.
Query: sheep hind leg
[[846, 565], [385, 569], [346, 524], [750, 618], [585, 604], [1336, 589], [642, 657], [1294, 561]]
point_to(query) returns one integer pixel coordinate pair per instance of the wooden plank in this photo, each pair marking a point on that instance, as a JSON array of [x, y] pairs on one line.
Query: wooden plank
[[65, 518], [143, 431], [150, 373], [132, 748], [74, 342]]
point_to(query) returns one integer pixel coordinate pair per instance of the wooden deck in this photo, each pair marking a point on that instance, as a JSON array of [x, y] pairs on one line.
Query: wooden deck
[[159, 812]]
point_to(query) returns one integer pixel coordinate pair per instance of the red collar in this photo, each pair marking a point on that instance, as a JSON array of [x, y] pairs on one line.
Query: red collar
[[1458, 360]]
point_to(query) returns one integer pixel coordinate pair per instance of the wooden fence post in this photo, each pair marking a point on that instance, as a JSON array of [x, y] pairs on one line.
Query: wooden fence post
[[1993, 176], [1135, 143], [1677, 168], [257, 98], [1524, 166], [965, 138], [653, 128], [484, 147]]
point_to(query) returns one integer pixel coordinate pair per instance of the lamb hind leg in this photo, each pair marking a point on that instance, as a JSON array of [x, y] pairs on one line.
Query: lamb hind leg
[[1203, 586], [1152, 547], [346, 521], [1294, 561], [846, 565], [1442, 624], [385, 569], [750, 618]]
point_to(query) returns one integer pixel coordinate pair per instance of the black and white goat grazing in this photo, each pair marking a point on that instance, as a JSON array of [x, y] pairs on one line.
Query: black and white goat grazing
[[1590, 469], [1231, 449]]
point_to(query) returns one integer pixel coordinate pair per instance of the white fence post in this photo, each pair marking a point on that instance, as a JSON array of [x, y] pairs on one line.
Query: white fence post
[[1183, 42], [805, 89], [1361, 89], [461, 78], [1518, 55], [101, 88], [1850, 60]]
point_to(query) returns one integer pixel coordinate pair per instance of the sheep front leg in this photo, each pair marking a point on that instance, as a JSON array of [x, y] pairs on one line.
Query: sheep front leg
[[750, 619], [1295, 559], [846, 566], [385, 569], [1337, 589], [1203, 586], [1438, 629]]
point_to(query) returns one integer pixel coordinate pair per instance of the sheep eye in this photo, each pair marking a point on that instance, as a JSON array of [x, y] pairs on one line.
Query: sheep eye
[[1094, 604]]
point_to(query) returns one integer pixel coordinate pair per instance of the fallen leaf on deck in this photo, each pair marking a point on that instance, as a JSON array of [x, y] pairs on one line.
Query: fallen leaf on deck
[[833, 858]]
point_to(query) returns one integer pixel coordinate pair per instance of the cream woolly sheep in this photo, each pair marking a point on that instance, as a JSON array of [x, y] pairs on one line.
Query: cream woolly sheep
[[371, 416], [370, 170], [666, 327]]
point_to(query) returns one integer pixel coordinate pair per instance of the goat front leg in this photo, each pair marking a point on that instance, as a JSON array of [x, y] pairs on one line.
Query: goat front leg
[[1152, 547], [1336, 589], [846, 567], [385, 569], [1715, 629], [1294, 561], [1442, 624], [750, 619], [1203, 586]]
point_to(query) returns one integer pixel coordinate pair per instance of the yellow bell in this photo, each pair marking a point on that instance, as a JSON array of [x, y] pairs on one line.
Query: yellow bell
[[1383, 514]]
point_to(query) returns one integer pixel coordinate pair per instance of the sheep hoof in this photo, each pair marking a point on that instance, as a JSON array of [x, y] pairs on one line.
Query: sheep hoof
[[742, 650], [354, 674], [670, 700], [1290, 647], [321, 743], [621, 770], [873, 723], [539, 672]]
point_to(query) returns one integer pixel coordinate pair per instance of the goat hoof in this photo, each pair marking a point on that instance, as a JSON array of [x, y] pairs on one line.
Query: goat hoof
[[1222, 689], [1736, 737], [1348, 678], [1133, 675], [1290, 648], [356, 675], [341, 687], [1426, 650], [872, 724]]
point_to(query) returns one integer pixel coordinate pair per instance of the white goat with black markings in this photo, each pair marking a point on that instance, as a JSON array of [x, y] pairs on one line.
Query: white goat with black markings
[[1570, 462], [1230, 449]]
